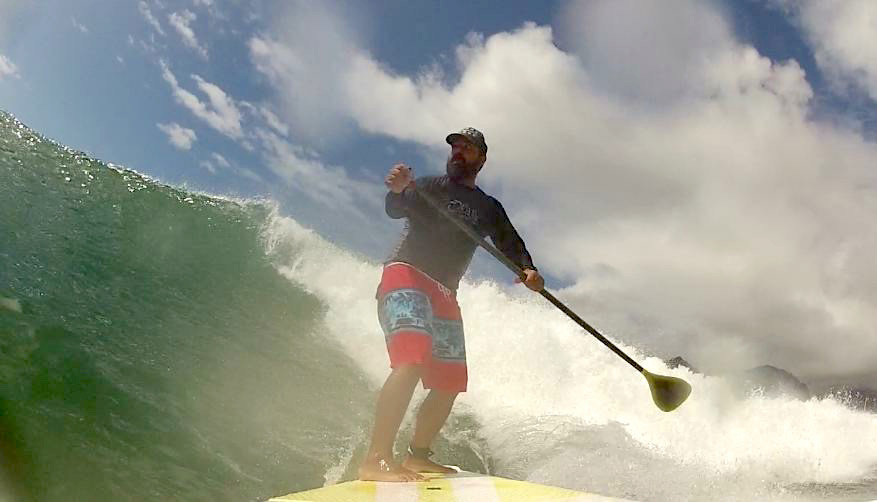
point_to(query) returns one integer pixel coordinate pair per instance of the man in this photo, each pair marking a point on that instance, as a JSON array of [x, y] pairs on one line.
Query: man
[[417, 305]]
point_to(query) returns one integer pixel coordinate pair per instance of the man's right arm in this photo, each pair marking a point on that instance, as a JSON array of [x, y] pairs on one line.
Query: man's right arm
[[402, 200], [403, 205], [397, 204], [398, 182]]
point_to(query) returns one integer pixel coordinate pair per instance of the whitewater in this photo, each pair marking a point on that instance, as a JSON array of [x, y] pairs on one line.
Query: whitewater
[[554, 406]]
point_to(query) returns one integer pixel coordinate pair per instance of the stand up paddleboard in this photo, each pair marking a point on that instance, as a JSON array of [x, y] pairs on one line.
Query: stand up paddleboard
[[459, 487]]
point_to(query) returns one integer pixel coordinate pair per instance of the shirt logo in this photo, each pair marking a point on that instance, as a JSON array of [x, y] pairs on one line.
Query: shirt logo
[[463, 211]]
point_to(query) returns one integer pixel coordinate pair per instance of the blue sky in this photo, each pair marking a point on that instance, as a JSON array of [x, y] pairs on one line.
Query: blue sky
[[676, 156]]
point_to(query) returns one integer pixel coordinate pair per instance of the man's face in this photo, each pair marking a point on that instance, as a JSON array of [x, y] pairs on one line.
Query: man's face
[[464, 161]]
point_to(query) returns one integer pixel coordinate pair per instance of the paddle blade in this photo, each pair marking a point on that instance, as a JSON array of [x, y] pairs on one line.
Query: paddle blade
[[667, 392]]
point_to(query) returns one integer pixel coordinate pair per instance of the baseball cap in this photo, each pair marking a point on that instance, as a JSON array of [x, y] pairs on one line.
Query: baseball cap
[[471, 135]]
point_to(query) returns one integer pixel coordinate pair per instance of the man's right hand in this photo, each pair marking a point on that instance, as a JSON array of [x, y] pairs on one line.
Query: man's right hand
[[398, 178]]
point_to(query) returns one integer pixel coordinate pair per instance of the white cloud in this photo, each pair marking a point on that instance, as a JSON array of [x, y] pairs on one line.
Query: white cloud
[[273, 121], [302, 170], [179, 136], [249, 174], [152, 45], [656, 57], [147, 47], [215, 15], [217, 162], [206, 164], [79, 26], [844, 38], [220, 112], [330, 186], [264, 113], [220, 160], [8, 68], [146, 12], [690, 201], [310, 48], [120, 59], [130, 39], [181, 21]]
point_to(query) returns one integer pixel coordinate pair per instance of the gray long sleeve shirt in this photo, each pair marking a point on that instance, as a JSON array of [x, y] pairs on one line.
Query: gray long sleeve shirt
[[436, 246]]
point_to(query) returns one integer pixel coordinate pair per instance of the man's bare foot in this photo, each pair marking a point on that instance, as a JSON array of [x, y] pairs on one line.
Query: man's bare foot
[[416, 464], [378, 468]]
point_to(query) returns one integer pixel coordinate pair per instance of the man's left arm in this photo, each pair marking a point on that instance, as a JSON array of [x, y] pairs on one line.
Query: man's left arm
[[506, 238]]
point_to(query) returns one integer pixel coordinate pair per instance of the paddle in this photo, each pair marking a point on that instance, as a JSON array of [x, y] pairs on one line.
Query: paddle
[[667, 392]]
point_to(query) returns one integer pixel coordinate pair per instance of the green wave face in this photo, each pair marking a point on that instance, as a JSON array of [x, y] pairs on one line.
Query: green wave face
[[148, 348]]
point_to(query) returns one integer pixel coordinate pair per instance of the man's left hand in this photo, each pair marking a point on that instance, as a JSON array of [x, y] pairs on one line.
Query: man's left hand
[[533, 281]]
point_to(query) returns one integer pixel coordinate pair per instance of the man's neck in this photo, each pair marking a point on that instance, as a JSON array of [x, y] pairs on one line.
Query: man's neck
[[467, 182]]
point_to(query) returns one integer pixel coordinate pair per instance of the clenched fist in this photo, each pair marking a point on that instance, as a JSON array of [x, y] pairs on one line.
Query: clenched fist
[[398, 178]]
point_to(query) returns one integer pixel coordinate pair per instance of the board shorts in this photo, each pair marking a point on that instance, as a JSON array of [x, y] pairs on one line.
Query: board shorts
[[422, 325]]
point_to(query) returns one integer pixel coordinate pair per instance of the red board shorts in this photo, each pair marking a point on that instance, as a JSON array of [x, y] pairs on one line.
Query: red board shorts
[[422, 325]]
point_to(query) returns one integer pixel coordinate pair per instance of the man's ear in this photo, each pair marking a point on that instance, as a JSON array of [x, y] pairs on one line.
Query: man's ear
[[480, 167]]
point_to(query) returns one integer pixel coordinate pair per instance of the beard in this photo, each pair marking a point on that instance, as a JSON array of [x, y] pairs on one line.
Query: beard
[[459, 170]]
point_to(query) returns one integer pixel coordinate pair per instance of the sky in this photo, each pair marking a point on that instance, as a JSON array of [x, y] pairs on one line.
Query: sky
[[692, 176]]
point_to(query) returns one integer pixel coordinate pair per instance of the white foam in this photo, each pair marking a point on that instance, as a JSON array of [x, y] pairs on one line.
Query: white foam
[[335, 473], [538, 382]]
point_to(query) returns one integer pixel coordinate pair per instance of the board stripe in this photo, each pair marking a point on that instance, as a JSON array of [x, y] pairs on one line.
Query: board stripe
[[473, 489], [436, 489], [396, 492]]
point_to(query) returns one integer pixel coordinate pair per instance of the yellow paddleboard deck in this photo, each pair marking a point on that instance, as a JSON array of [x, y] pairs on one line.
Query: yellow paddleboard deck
[[459, 487]]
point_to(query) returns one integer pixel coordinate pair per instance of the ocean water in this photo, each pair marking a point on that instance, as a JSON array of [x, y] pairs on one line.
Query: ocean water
[[158, 344]]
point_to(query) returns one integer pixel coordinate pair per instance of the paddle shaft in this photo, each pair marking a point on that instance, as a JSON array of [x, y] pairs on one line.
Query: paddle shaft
[[520, 273]]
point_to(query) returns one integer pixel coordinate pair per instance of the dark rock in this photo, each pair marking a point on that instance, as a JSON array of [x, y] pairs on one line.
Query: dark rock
[[679, 361], [768, 380], [773, 382]]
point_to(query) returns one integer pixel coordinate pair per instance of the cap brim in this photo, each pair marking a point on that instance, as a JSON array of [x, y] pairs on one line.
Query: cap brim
[[454, 135]]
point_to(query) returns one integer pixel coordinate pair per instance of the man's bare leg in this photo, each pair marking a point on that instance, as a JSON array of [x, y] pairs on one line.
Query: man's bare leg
[[392, 403], [430, 418]]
